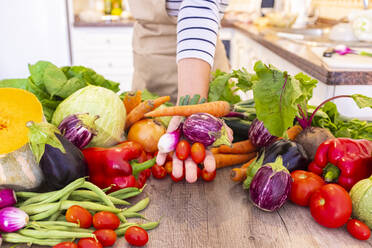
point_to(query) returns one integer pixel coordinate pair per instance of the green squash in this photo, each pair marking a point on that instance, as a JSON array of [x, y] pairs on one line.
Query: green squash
[[361, 196]]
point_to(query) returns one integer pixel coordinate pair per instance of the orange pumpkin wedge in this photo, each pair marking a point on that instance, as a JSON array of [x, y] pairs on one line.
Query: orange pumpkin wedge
[[17, 107]]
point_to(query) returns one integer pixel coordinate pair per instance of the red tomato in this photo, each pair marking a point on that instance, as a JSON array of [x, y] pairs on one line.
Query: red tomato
[[66, 245], [106, 237], [183, 150], [136, 236], [142, 158], [198, 152], [89, 243], [358, 229], [79, 215], [168, 167], [304, 184], [105, 220], [208, 176], [158, 171], [331, 205]]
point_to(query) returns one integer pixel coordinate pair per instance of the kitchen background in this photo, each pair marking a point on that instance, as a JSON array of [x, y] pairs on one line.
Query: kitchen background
[[292, 36]]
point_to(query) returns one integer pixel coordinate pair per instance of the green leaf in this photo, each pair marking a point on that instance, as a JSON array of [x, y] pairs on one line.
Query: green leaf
[[147, 95], [37, 72], [244, 79], [218, 86], [307, 84], [41, 134], [276, 97], [362, 101], [72, 85], [252, 170], [54, 79]]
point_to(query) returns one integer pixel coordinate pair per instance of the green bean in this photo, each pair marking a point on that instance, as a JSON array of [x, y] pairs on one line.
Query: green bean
[[149, 225], [126, 225], [107, 189], [141, 205], [123, 191], [26, 194], [194, 99], [36, 208], [121, 231], [44, 234], [37, 198], [102, 195], [134, 215], [130, 194], [81, 194], [70, 229], [18, 238], [203, 100], [45, 214], [90, 206], [54, 223], [61, 218]]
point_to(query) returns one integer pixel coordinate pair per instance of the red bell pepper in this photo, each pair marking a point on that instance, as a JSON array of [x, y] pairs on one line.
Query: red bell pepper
[[343, 161], [119, 166]]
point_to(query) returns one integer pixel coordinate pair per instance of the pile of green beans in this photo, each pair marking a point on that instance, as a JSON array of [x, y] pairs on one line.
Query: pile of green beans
[[48, 225]]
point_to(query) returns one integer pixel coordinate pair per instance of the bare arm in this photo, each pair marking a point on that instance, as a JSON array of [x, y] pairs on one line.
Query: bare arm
[[193, 77]]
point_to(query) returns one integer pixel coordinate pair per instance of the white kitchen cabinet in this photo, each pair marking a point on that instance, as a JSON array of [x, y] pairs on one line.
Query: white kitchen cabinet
[[107, 50], [246, 52]]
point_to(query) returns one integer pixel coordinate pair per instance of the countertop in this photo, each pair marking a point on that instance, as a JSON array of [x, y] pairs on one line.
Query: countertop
[[219, 214]]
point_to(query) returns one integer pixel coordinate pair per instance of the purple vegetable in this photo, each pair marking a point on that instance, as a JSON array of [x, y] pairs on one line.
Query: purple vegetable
[[206, 129], [12, 219], [79, 129], [259, 135], [169, 141], [270, 186], [7, 198]]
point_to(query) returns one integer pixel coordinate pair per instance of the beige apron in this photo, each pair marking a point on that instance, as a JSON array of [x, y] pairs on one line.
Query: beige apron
[[155, 47]]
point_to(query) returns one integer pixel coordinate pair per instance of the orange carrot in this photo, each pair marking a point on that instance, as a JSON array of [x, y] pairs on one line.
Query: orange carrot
[[161, 100], [138, 112], [239, 174], [132, 100], [217, 109], [225, 160], [293, 132], [244, 146]]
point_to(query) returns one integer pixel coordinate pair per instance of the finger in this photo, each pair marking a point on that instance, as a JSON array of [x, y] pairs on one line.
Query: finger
[[160, 158], [209, 161], [177, 169], [230, 133], [174, 123], [191, 170]]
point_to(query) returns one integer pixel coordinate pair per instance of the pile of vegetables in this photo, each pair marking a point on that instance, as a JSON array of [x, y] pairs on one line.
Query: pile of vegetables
[[57, 217]]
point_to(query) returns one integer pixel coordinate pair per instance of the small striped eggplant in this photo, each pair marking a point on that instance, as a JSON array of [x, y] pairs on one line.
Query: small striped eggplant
[[79, 129], [270, 186], [259, 135]]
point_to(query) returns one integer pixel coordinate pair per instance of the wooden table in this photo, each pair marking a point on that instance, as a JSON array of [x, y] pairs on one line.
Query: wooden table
[[219, 214]]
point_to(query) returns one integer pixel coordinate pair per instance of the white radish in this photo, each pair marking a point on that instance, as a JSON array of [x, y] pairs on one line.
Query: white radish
[[160, 158], [209, 161], [177, 170], [191, 170]]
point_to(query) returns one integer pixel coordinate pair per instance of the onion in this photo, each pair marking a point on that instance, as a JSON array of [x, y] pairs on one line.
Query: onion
[[7, 198], [12, 219], [259, 135], [79, 129], [168, 142]]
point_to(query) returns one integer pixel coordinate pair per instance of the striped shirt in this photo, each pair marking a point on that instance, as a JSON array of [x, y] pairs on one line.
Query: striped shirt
[[198, 23]]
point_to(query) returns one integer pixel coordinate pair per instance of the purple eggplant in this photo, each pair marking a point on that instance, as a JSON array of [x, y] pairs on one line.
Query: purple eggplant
[[206, 129], [270, 186], [79, 129], [259, 135]]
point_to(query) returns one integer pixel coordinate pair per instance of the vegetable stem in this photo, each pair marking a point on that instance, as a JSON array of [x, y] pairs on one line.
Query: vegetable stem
[[137, 168], [331, 173]]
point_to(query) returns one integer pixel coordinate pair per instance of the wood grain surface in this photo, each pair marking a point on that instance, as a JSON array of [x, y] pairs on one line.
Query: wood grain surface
[[219, 214]]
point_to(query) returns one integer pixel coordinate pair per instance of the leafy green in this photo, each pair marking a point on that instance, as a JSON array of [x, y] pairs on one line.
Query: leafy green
[[362, 101], [223, 88], [51, 85], [277, 96]]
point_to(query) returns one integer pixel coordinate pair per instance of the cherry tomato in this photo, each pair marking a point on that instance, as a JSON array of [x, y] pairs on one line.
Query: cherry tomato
[[142, 158], [136, 236], [304, 184], [198, 152], [66, 245], [183, 150], [358, 229], [208, 176], [176, 180], [147, 173], [331, 205], [106, 237], [168, 167], [158, 171], [105, 220], [89, 243], [79, 215]]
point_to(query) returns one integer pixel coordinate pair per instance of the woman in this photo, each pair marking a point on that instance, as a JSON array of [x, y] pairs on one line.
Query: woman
[[175, 48], [173, 36]]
